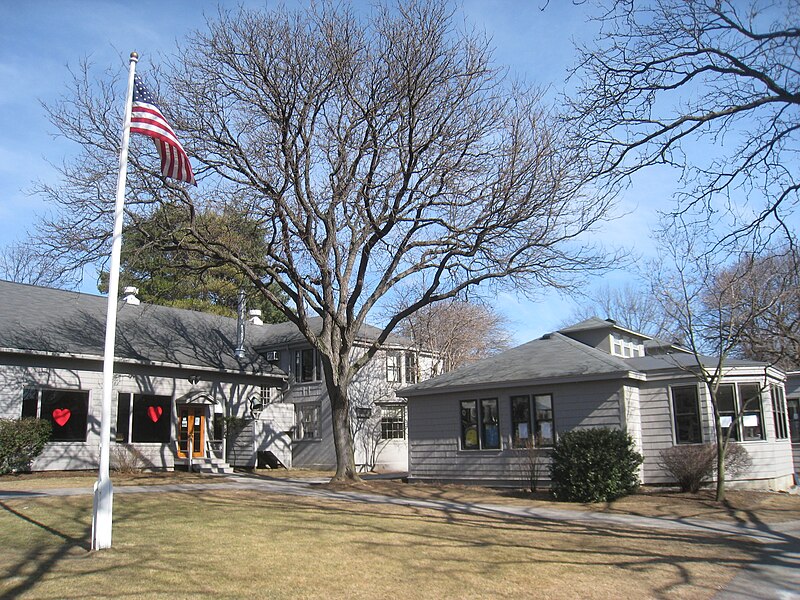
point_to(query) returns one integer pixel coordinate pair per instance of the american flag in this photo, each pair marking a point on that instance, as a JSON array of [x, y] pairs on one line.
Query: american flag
[[146, 118]]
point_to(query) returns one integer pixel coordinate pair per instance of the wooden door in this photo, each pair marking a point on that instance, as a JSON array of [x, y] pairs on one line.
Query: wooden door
[[191, 426]]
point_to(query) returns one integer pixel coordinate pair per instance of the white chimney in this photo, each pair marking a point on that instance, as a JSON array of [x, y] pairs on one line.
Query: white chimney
[[130, 296], [255, 317]]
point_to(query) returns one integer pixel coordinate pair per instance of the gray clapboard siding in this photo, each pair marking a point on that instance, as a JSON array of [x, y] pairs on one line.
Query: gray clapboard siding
[[435, 431]]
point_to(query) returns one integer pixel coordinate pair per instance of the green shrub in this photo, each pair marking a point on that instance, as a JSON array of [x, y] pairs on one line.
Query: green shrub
[[594, 465], [21, 441]]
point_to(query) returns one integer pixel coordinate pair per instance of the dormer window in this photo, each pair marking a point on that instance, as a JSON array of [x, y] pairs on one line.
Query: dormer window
[[625, 346]]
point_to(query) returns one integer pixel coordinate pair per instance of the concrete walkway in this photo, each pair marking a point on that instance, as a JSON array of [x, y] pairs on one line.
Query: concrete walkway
[[776, 575]]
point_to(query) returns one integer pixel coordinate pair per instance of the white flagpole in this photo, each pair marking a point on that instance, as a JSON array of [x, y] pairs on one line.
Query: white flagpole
[[103, 490]]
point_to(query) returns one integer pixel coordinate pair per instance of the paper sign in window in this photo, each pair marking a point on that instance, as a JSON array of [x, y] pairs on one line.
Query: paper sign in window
[[750, 421]]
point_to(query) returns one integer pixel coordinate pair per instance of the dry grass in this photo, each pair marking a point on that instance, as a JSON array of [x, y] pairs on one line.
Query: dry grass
[[246, 544], [85, 479], [745, 507]]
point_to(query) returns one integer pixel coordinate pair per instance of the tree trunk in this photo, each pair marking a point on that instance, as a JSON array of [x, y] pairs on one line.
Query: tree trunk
[[720, 461], [342, 440]]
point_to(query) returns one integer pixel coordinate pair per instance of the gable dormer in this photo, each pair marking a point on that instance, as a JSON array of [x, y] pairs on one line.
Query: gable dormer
[[607, 336]]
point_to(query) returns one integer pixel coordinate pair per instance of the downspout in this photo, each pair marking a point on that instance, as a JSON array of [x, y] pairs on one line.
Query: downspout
[[240, 327]]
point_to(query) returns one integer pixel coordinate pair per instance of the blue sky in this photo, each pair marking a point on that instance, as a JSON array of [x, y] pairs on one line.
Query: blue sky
[[41, 39]]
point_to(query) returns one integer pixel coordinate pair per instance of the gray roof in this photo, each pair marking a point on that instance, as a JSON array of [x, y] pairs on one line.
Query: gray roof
[[684, 360], [287, 334], [559, 357], [554, 356], [596, 323], [70, 323]]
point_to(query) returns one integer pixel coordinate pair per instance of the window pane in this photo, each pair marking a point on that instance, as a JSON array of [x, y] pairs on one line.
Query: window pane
[[307, 419], [779, 411], [411, 367], [392, 368], [30, 402], [687, 415], [545, 432], [469, 425], [793, 406], [307, 367], [726, 402], [393, 422], [67, 412], [490, 424], [152, 417], [521, 421], [123, 418], [750, 397], [544, 407], [750, 402]]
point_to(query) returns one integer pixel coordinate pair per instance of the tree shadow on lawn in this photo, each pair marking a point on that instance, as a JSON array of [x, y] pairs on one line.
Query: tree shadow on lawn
[[498, 540], [45, 556], [450, 541]]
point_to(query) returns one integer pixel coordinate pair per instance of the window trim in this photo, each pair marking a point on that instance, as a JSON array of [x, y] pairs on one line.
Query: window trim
[[739, 413], [793, 406], [780, 411], [299, 432], [394, 369], [134, 399], [675, 415], [481, 426], [300, 364], [534, 423], [33, 393], [390, 425]]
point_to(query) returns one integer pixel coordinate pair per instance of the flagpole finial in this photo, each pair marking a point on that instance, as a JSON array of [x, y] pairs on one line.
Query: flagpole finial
[[135, 56]]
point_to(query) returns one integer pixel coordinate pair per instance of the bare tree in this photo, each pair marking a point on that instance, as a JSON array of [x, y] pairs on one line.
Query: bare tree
[[711, 87], [771, 282], [24, 263], [457, 331], [375, 150], [634, 307], [700, 290]]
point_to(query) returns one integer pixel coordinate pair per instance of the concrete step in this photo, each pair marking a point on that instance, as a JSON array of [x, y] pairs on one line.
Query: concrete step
[[211, 465]]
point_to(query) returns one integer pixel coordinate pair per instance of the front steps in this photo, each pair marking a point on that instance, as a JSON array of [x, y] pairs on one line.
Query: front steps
[[211, 465]]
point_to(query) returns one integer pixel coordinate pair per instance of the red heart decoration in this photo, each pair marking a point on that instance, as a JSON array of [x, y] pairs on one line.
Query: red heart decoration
[[61, 416], [154, 412]]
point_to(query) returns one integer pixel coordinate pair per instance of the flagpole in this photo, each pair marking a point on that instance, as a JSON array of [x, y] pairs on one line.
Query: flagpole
[[103, 490]]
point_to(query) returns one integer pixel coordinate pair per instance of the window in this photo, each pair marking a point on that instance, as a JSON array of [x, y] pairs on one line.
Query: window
[[626, 347], [544, 431], [520, 421], [144, 419], [307, 366], [66, 410], [393, 367], [123, 418], [726, 408], [480, 429], [307, 421], [752, 419], [793, 407], [744, 398], [779, 411], [393, 422], [686, 413], [411, 367], [538, 430]]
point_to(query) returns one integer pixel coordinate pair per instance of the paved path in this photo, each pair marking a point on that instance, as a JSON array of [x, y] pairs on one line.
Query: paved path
[[776, 575]]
